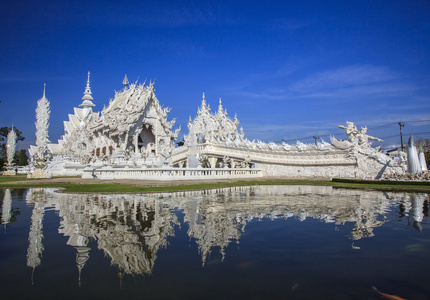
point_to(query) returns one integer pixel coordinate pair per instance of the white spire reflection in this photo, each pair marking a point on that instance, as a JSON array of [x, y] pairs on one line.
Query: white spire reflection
[[35, 236], [6, 213]]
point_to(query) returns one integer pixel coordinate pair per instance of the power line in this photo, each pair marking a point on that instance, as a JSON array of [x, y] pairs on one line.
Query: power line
[[382, 126], [369, 129], [415, 133], [418, 122], [396, 123], [412, 133], [401, 134]]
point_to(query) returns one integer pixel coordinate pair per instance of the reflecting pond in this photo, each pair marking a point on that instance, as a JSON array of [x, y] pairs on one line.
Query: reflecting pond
[[260, 242]]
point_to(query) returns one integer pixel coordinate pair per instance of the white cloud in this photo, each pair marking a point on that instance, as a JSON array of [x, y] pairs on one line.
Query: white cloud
[[350, 76], [159, 14], [291, 132], [349, 83]]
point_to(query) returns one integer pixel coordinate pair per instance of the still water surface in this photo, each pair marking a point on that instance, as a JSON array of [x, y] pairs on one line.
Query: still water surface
[[263, 242]]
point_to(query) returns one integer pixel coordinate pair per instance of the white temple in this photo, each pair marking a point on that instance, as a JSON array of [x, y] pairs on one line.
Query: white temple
[[132, 138]]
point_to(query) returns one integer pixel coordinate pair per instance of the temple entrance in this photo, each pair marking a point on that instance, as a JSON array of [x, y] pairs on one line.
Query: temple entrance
[[145, 138]]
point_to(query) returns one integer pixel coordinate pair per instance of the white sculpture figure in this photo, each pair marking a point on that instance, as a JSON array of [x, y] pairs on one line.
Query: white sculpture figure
[[413, 160], [241, 133], [260, 144], [358, 137], [237, 142], [226, 161], [363, 138], [287, 147], [301, 146], [351, 132], [11, 146], [323, 145], [272, 146]]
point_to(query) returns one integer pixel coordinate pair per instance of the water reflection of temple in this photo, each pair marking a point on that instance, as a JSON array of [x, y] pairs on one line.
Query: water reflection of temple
[[130, 229]]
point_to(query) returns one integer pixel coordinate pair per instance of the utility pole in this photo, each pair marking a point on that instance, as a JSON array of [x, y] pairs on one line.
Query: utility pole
[[316, 137], [401, 134]]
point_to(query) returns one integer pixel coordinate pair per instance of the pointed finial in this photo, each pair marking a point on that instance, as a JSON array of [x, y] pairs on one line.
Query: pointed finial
[[203, 100], [220, 106], [88, 83], [87, 98], [125, 81]]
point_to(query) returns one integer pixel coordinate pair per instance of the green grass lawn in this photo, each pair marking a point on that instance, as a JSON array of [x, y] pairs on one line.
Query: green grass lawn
[[23, 178], [122, 188]]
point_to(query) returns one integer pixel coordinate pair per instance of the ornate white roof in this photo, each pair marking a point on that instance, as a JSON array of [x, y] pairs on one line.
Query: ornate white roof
[[216, 127]]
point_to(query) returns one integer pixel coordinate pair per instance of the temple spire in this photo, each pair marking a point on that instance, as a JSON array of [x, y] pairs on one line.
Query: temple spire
[[87, 98], [220, 108], [125, 81], [203, 101]]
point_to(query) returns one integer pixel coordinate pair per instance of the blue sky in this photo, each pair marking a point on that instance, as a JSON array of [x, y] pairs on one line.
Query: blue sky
[[288, 69]]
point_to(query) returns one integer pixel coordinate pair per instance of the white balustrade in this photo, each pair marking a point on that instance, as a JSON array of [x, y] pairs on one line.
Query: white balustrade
[[170, 173]]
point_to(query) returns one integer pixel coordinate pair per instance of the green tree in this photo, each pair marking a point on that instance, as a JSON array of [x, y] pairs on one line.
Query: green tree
[[4, 131], [21, 158]]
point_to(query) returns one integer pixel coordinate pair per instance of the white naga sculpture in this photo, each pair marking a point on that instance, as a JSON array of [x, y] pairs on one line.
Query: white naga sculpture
[[39, 154]]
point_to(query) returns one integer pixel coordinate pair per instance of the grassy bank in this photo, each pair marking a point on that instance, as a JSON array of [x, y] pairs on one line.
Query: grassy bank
[[23, 182]]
